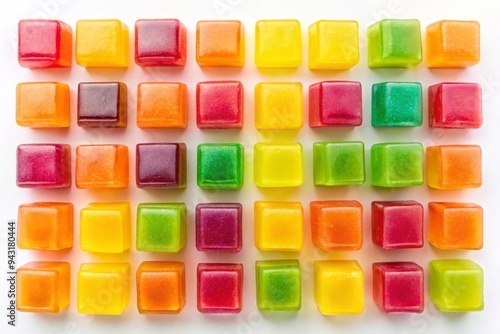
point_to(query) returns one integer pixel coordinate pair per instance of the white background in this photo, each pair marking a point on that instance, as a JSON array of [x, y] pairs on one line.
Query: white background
[[487, 73]]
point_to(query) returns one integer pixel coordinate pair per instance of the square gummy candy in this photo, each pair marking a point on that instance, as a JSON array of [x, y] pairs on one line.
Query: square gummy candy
[[278, 43], [279, 285], [102, 43], [453, 44], [454, 225], [219, 105], [160, 42], [101, 166], [394, 43], [162, 105], [45, 226], [43, 287], [279, 106], [103, 288], [339, 287], [105, 228], [454, 166], [333, 45], [220, 166], [455, 105], [397, 104], [220, 43], [397, 165], [397, 224], [102, 104], [44, 43], [161, 227], [335, 103], [278, 164], [161, 287], [279, 226], [337, 225], [161, 165], [456, 285], [219, 227], [43, 104], [220, 287], [398, 287], [43, 166], [338, 163]]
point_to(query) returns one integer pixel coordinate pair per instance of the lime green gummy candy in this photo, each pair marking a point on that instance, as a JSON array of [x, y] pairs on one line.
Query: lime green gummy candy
[[397, 165], [161, 227], [338, 163], [394, 43], [278, 285], [456, 285]]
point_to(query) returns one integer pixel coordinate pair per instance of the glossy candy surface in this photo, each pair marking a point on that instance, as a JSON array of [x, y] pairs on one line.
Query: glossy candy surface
[[219, 105], [43, 287], [455, 105], [394, 43], [102, 166], [220, 287], [339, 287], [161, 165], [454, 166], [279, 226], [279, 285], [279, 106], [161, 227], [219, 227], [456, 285], [337, 225], [162, 105], [160, 42], [398, 287], [338, 163], [278, 43], [45, 226], [161, 287], [220, 166], [397, 104], [397, 165], [454, 225], [97, 281], [220, 43], [43, 104], [453, 44], [44, 43], [105, 228], [102, 43], [278, 164], [397, 224], [335, 103], [43, 166], [102, 104], [333, 45]]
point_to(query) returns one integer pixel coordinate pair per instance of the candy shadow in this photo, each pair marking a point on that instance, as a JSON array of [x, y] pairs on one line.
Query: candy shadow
[[278, 71], [335, 133], [221, 73], [393, 74], [278, 194], [278, 135]]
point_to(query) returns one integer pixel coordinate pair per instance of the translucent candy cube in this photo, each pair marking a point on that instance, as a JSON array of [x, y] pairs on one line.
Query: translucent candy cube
[[43, 287], [103, 288], [102, 43], [278, 43], [394, 43]]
